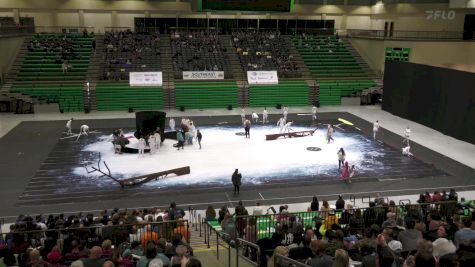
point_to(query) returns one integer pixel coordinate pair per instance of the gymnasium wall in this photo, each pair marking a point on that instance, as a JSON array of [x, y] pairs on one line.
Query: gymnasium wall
[[101, 14], [440, 98], [422, 52]]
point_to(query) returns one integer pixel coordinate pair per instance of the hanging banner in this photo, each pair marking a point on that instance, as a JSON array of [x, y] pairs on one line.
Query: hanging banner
[[262, 77], [145, 78], [203, 75]]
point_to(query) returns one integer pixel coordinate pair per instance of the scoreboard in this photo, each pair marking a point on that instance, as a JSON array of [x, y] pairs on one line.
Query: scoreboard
[[247, 5]]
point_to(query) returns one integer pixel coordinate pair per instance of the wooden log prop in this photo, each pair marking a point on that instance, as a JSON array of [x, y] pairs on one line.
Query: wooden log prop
[[137, 180], [289, 134]]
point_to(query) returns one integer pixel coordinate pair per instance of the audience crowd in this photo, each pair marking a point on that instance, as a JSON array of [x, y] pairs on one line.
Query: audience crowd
[[197, 51], [148, 237], [126, 51], [438, 231], [259, 50]]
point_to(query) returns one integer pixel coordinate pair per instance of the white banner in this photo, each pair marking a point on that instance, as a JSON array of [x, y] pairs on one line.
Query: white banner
[[262, 77], [203, 75], [146, 78]]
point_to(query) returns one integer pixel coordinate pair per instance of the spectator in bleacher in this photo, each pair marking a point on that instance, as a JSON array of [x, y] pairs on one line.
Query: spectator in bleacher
[[151, 254], [107, 249], [324, 210], [75, 253], [390, 220], [250, 232], [424, 255], [181, 254], [410, 236], [385, 255], [465, 235], [94, 259], [314, 205], [341, 258], [258, 209], [320, 257], [183, 230], [210, 213], [347, 214], [340, 203], [281, 250]]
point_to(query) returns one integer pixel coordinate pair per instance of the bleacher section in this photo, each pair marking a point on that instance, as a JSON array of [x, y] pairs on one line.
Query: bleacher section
[[265, 51], [327, 57], [197, 51], [331, 91], [206, 94], [289, 93], [45, 64], [120, 96], [127, 51], [69, 96]]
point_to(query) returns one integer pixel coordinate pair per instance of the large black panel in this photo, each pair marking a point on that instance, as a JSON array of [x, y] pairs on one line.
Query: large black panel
[[148, 121], [440, 98]]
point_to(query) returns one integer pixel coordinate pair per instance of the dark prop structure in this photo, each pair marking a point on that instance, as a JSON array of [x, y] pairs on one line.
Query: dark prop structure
[[440, 98], [148, 121]]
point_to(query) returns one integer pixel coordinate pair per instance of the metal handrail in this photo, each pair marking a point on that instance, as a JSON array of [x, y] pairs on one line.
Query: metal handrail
[[278, 257], [165, 226], [414, 35], [240, 241]]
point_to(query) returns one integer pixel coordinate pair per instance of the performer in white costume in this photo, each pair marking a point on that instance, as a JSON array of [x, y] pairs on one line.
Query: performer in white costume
[[286, 111], [83, 130], [141, 146], [281, 123], [375, 129], [243, 115], [68, 127], [171, 123], [330, 132], [406, 151], [265, 115], [152, 144], [407, 135], [255, 117], [158, 139], [287, 127], [314, 113]]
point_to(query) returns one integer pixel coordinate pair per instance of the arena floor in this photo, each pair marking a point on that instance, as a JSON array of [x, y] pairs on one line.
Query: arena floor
[[44, 173]]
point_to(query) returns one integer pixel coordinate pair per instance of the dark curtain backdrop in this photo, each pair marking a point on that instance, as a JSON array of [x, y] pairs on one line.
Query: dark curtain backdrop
[[442, 99]]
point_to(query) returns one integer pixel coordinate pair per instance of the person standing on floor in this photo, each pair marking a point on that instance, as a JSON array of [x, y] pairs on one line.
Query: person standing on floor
[[286, 112], [265, 115], [68, 127], [330, 132], [255, 117], [341, 158], [158, 139], [314, 113], [345, 174], [247, 128], [198, 137], [375, 129], [171, 123], [243, 115], [236, 179], [181, 140], [152, 143], [281, 123], [141, 146]]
